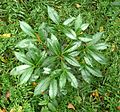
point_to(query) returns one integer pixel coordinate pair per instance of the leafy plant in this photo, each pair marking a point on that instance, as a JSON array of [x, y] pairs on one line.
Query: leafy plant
[[58, 53]]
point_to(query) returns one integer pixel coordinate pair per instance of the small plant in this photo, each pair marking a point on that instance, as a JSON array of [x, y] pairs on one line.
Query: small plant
[[58, 53]]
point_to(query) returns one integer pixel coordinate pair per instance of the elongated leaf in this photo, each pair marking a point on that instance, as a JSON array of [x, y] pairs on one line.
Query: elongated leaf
[[96, 37], [68, 21], [101, 46], [98, 57], [52, 107], [27, 28], [78, 22], [74, 47], [42, 86], [19, 69], [53, 15], [71, 34], [84, 26], [94, 71], [44, 109], [26, 43], [22, 57], [62, 80], [74, 53], [26, 75], [72, 79], [54, 45], [88, 60], [53, 89], [86, 75], [71, 60], [85, 39]]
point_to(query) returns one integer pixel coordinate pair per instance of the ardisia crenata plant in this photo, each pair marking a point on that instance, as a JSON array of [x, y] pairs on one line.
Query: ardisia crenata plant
[[58, 53]]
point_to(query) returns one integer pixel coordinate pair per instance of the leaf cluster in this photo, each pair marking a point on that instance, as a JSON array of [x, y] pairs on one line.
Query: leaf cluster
[[57, 54]]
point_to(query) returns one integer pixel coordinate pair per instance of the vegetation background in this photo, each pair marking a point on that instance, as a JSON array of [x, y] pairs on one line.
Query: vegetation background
[[103, 95]]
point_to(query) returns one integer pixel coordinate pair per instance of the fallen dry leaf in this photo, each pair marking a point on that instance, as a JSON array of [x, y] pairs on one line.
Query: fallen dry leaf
[[118, 107], [95, 93], [70, 106], [34, 84], [7, 35], [77, 5], [101, 29], [12, 110], [2, 110], [8, 94]]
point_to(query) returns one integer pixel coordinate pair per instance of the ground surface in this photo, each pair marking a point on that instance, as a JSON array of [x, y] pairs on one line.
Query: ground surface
[[103, 95]]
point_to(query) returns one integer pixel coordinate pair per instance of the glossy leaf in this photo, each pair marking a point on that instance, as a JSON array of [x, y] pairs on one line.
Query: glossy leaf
[[22, 57], [27, 28], [71, 60], [101, 46], [98, 57], [74, 47], [74, 53], [84, 26], [88, 60], [68, 21], [86, 75], [78, 22], [72, 79], [26, 43], [26, 75], [52, 107], [62, 80], [42, 86], [71, 34], [53, 15], [94, 71], [53, 89], [54, 45], [85, 39], [96, 37], [19, 69]]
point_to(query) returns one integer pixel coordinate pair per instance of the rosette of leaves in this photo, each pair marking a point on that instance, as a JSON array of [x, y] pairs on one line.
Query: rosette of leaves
[[53, 53]]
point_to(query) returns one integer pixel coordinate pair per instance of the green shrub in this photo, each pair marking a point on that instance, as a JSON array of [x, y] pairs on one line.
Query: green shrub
[[58, 53]]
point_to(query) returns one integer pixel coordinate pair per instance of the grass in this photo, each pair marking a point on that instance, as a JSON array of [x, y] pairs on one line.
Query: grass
[[103, 95]]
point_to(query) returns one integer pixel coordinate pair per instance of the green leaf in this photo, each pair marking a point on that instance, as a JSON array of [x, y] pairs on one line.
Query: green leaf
[[22, 57], [27, 29], [70, 33], [26, 43], [96, 37], [53, 89], [54, 45], [53, 15], [85, 39], [26, 75], [52, 107], [62, 80], [86, 75], [98, 57], [19, 69], [44, 109], [68, 21], [88, 60], [42, 86], [94, 71], [71, 60], [72, 79], [84, 26], [74, 47], [42, 31], [78, 22], [74, 53], [101, 46]]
